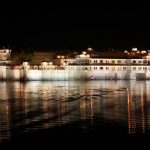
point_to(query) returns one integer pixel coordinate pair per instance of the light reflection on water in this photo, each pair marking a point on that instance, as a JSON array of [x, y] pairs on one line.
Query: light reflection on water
[[29, 106]]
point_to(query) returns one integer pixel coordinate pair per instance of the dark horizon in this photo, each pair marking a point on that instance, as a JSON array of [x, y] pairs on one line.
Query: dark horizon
[[75, 28]]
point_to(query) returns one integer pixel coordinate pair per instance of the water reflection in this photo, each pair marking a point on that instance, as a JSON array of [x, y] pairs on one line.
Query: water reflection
[[25, 107]]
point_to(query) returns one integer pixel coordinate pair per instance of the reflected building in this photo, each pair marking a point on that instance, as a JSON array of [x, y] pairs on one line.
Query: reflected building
[[137, 99], [31, 106]]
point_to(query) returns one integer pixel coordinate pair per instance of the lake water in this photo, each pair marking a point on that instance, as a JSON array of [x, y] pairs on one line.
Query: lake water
[[34, 106]]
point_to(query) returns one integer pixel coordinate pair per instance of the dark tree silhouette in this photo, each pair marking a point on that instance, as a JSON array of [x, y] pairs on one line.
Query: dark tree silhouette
[[23, 56]]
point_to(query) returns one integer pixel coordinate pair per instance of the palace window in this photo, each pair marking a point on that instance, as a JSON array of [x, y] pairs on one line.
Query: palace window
[[134, 62], [139, 68], [113, 61], [101, 61], [95, 61], [134, 68]]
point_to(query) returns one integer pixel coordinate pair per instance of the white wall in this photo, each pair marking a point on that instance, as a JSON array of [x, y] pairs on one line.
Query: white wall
[[18, 74]]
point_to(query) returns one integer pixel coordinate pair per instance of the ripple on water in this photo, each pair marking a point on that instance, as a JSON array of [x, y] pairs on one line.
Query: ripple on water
[[43, 105]]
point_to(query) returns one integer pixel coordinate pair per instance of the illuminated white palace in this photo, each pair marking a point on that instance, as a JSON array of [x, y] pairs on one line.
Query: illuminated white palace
[[86, 66]]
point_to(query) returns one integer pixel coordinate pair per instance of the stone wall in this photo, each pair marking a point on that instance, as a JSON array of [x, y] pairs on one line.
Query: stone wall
[[7, 73]]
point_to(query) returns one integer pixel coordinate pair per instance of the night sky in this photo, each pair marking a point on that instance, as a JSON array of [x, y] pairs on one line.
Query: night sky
[[74, 28]]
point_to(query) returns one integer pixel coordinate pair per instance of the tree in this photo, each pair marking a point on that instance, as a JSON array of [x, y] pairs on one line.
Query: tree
[[23, 56]]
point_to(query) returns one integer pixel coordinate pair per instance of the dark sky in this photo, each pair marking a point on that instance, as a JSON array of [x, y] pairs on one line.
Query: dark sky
[[74, 28]]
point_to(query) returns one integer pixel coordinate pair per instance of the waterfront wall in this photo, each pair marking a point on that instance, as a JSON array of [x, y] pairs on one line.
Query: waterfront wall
[[55, 75], [3, 72], [6, 73]]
